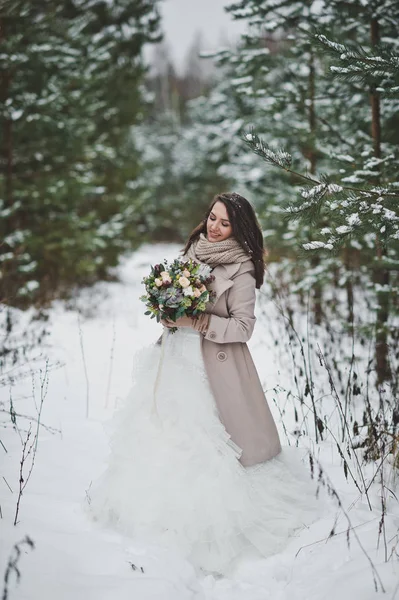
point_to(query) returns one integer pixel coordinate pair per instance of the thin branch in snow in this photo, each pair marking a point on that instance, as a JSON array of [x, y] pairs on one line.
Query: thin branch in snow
[[12, 566], [31, 449], [84, 366], [111, 361], [324, 478]]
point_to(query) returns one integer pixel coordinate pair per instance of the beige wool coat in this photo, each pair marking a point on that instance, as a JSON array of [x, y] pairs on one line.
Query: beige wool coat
[[231, 372]]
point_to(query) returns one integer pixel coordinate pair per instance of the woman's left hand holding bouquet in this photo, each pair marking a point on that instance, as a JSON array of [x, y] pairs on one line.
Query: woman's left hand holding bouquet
[[180, 322]]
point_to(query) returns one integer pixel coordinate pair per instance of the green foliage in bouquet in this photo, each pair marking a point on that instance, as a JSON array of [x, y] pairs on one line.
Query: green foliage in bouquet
[[177, 289]]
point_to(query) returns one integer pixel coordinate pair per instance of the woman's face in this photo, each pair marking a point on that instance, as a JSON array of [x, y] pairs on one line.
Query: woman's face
[[218, 226]]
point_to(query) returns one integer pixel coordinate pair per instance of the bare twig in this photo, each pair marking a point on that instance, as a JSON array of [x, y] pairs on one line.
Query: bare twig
[[30, 449], [111, 361], [84, 365], [351, 529], [7, 484], [12, 566], [25, 453], [345, 422], [333, 533]]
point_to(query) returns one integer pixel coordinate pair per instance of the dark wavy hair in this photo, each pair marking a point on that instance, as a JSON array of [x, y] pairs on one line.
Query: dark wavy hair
[[245, 226]]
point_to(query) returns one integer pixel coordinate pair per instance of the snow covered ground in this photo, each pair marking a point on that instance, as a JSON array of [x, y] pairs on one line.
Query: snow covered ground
[[91, 350]]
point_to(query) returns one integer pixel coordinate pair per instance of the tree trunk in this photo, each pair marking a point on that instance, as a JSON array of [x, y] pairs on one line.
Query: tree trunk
[[5, 79], [381, 276], [8, 175], [317, 289], [349, 283], [7, 281]]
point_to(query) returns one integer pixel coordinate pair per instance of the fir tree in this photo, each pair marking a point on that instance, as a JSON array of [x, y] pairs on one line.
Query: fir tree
[[70, 74], [358, 200], [277, 81]]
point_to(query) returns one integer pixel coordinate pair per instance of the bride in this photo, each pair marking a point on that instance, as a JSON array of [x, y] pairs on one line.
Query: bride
[[196, 462]]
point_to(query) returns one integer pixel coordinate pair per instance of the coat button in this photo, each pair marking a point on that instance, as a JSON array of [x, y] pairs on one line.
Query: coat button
[[221, 356], [212, 335]]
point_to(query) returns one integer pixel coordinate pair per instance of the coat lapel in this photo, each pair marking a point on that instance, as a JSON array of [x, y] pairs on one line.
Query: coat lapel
[[222, 282]]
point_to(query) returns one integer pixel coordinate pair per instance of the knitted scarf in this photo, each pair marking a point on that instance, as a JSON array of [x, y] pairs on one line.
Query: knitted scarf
[[217, 253]]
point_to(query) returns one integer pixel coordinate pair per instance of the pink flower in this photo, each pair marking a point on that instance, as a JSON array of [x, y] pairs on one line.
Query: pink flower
[[197, 293], [166, 277], [186, 273]]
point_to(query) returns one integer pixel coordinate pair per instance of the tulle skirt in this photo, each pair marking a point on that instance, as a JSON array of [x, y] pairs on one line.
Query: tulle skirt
[[173, 475]]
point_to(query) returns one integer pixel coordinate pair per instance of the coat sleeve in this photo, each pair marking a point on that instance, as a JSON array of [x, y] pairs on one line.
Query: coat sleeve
[[241, 305]]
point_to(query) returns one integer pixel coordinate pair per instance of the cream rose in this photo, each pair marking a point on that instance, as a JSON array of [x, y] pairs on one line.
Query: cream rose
[[158, 282], [197, 293], [184, 282], [202, 289], [186, 273]]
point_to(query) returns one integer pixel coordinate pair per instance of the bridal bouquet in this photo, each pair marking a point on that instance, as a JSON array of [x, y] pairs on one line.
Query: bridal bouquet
[[177, 289]]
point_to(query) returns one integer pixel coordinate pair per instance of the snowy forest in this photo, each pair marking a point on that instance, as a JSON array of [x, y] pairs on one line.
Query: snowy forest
[[107, 164]]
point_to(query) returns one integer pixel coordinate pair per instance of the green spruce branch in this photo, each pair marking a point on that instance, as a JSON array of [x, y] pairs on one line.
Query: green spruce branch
[[283, 160]]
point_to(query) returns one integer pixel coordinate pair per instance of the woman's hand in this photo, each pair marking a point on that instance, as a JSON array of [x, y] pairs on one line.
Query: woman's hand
[[182, 322]]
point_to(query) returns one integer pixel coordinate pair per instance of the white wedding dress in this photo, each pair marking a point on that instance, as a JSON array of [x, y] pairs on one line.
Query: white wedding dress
[[173, 475]]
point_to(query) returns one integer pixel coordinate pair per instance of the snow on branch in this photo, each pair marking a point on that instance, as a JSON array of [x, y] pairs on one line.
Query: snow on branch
[[320, 189], [316, 245], [283, 160], [357, 63], [279, 158]]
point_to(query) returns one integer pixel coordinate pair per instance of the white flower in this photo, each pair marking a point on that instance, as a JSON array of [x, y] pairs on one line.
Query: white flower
[[158, 282], [184, 282], [188, 291], [204, 270]]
